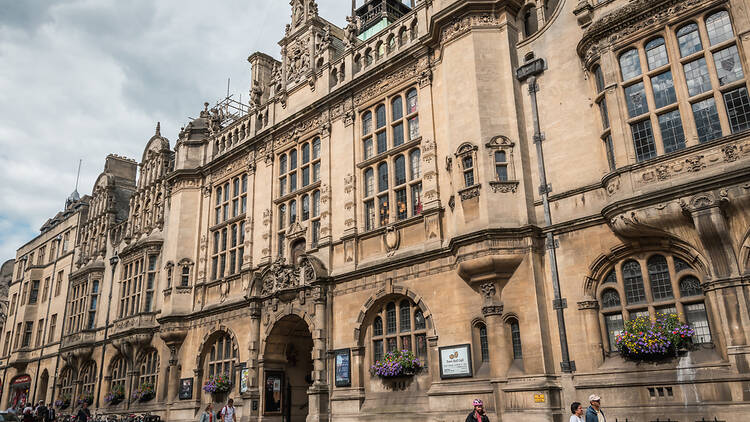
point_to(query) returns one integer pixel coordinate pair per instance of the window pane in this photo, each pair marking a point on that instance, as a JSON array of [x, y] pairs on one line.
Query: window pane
[[419, 322], [405, 316], [316, 172], [630, 64], [292, 181], [400, 163], [615, 326], [658, 275], [738, 109], [515, 335], [401, 206], [316, 203], [282, 164], [483, 343], [672, 134], [413, 128], [383, 209], [599, 78], [610, 298], [719, 28], [706, 120], [382, 141], [643, 140], [391, 344], [367, 148], [282, 186], [382, 177], [639, 314], [366, 123], [305, 208], [696, 76], [397, 108], [656, 53], [635, 95], [316, 148], [728, 65], [305, 176], [305, 153], [415, 164], [377, 327], [282, 216], [633, 281], [416, 199], [689, 40], [377, 350], [695, 314], [604, 113], [390, 318], [663, 90], [292, 211], [610, 152], [421, 347], [398, 134], [369, 215], [293, 159], [369, 182], [690, 286], [380, 116], [411, 101]]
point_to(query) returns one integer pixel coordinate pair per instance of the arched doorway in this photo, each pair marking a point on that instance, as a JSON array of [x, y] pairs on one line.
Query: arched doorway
[[287, 367], [41, 391]]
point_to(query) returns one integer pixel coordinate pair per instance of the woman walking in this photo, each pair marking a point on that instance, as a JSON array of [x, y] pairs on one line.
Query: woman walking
[[208, 414]]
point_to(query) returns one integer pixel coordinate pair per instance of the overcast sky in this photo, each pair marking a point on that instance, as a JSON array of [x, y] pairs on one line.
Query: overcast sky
[[80, 79]]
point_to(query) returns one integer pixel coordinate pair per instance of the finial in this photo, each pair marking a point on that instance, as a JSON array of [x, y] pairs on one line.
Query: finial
[[158, 128], [205, 106]]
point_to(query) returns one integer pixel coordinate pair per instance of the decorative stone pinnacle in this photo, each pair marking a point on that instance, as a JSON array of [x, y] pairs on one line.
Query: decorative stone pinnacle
[[158, 128]]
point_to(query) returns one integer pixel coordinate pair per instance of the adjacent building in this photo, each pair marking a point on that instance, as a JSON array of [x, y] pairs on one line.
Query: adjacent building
[[494, 185]]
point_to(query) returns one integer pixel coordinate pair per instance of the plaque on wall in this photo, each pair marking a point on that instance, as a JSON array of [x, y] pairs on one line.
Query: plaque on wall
[[455, 361], [272, 392], [186, 389], [342, 362]]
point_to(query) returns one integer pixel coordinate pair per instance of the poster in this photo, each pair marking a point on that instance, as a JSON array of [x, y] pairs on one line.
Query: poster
[[343, 367], [455, 361], [272, 392], [186, 389], [244, 380]]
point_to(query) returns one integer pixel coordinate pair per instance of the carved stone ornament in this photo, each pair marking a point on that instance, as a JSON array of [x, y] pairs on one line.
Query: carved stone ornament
[[279, 276], [488, 290], [504, 186], [492, 310], [470, 192], [392, 239], [463, 25]]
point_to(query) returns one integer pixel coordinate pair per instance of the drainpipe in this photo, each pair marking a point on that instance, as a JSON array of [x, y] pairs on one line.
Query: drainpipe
[[46, 318], [112, 263], [529, 71]]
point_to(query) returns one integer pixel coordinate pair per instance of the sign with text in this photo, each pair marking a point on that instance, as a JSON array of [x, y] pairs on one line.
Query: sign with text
[[455, 361], [343, 365], [244, 380], [186, 389]]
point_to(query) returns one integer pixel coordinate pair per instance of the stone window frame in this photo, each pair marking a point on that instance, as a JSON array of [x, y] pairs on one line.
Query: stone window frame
[[377, 211], [118, 371], [88, 378], [230, 199], [148, 367], [481, 352], [136, 275], [684, 102], [67, 383], [378, 340], [503, 144], [217, 361], [468, 150], [77, 305], [228, 245], [185, 273], [613, 279]]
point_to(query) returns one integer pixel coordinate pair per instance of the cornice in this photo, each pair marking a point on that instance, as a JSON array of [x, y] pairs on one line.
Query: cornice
[[635, 16]]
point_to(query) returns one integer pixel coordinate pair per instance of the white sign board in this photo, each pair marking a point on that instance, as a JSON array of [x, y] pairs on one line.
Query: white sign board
[[455, 361]]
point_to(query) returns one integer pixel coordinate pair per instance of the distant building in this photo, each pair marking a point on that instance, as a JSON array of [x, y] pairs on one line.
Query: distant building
[[384, 191]]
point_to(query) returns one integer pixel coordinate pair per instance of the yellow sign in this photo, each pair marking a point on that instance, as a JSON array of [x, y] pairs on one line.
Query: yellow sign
[[538, 398]]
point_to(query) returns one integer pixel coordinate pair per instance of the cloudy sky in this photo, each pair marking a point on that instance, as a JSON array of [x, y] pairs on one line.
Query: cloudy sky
[[80, 79]]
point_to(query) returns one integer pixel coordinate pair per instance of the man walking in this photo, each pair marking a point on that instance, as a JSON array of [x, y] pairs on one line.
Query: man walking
[[594, 412], [41, 412], [477, 415], [227, 413]]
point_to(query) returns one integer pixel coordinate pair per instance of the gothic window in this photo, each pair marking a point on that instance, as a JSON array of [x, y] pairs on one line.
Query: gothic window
[[466, 156], [405, 329], [119, 373], [530, 22], [484, 346], [149, 368], [67, 382], [93, 303], [185, 276], [392, 179], [131, 287], [230, 199], [77, 306], [706, 83], [88, 379], [657, 284], [222, 357], [228, 250], [515, 336]]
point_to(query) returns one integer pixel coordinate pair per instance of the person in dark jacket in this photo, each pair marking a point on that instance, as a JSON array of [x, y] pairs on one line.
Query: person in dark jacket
[[594, 413], [477, 415]]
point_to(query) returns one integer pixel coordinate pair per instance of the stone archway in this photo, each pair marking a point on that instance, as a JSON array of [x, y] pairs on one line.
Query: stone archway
[[41, 391], [287, 370]]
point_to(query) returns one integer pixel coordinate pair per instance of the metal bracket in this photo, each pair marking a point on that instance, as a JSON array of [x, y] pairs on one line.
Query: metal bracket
[[552, 245], [561, 303], [539, 137], [545, 189], [569, 366]]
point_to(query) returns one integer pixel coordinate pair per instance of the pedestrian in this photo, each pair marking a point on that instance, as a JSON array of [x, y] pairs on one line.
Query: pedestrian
[[51, 416], [577, 412], [227, 413], [208, 414], [477, 415], [594, 412], [28, 413], [84, 414], [41, 412]]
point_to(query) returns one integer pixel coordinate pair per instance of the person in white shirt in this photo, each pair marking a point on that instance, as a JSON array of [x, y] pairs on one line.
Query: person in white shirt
[[577, 412], [227, 413]]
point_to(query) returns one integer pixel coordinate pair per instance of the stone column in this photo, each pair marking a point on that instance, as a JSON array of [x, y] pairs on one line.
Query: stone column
[[500, 353], [589, 307], [318, 392], [253, 381], [173, 340]]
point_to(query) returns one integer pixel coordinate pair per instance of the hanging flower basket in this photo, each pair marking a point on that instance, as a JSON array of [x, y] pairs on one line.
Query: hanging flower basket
[[86, 398], [116, 396], [218, 384], [645, 340], [397, 364], [63, 402], [144, 392]]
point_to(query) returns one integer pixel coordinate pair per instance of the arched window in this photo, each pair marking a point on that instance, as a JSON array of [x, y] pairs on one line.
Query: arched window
[[688, 304], [634, 291], [689, 40], [292, 211], [397, 108], [501, 166], [400, 176], [88, 379], [119, 368], [610, 298], [530, 23], [382, 177], [67, 383], [305, 208], [658, 275], [515, 336], [599, 78], [656, 53], [381, 137], [401, 331], [222, 357], [484, 346], [630, 64], [149, 368], [415, 164], [366, 122], [719, 27]]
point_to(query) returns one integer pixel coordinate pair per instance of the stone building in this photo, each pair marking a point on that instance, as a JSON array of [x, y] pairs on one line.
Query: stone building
[[495, 185]]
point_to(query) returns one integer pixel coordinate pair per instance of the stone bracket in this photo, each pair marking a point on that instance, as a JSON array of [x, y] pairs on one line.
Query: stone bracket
[[561, 303]]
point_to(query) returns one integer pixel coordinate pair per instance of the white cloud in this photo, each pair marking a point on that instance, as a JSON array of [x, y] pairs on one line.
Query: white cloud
[[85, 78]]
